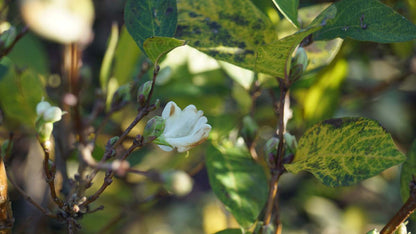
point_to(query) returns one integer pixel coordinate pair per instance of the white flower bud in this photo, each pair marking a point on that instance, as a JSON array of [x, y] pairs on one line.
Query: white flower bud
[[42, 107], [52, 114], [184, 129]]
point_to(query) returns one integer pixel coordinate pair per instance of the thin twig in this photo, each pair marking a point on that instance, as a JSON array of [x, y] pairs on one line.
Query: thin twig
[[405, 211], [50, 175]]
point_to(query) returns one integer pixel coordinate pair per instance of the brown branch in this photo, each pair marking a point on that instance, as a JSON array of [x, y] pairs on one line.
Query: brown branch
[[405, 211], [50, 175]]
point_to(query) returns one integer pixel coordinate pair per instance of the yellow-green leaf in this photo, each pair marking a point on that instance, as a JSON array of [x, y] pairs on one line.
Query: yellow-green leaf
[[156, 47], [344, 151]]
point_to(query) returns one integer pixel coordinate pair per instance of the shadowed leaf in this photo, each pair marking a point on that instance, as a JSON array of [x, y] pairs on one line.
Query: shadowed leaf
[[238, 182], [148, 18]]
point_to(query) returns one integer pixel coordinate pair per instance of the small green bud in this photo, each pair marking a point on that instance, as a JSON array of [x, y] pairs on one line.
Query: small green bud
[[143, 92], [113, 140], [249, 129], [154, 128], [402, 229], [121, 96], [301, 58], [270, 150], [291, 142], [374, 231], [44, 131], [176, 182]]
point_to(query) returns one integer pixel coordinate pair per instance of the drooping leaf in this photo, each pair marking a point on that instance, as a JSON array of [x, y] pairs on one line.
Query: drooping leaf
[[408, 171], [148, 18], [368, 20], [108, 57], [230, 231], [20, 93], [126, 58], [322, 98], [237, 181], [289, 8], [156, 47], [344, 151]]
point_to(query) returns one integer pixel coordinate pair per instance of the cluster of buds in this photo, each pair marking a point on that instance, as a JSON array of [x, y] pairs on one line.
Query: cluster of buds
[[270, 149], [46, 116]]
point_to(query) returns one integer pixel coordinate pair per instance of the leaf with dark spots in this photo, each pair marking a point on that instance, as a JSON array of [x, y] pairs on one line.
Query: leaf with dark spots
[[148, 18], [342, 152]]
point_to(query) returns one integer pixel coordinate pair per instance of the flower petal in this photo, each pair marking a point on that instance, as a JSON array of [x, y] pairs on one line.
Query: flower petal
[[165, 148]]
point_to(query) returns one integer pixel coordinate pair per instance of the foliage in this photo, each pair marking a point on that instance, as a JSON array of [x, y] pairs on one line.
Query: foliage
[[262, 76]]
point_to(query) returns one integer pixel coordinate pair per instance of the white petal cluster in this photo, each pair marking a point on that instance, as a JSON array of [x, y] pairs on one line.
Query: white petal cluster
[[48, 113], [185, 128]]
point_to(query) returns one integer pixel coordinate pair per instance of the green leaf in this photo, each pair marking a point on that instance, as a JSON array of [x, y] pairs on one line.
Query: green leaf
[[241, 35], [20, 93], [289, 8], [275, 58], [156, 47], [30, 53], [344, 151], [230, 231], [126, 58], [148, 18], [408, 171], [238, 182], [368, 20]]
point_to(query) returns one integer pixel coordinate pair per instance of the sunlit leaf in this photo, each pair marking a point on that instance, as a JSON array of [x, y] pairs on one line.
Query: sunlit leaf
[[237, 181], [365, 21], [344, 151], [320, 100], [148, 18], [408, 171], [289, 8], [156, 47], [126, 58], [108, 57]]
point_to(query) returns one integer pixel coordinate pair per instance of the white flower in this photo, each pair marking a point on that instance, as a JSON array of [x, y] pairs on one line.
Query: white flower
[[48, 113], [184, 129]]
